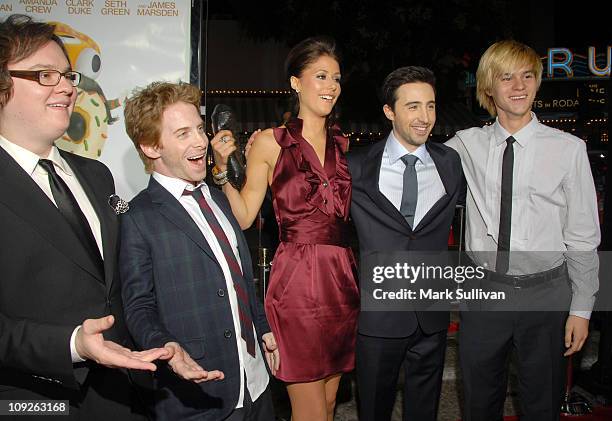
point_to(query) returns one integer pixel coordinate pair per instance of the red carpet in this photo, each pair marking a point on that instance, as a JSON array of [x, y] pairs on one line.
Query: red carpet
[[599, 414]]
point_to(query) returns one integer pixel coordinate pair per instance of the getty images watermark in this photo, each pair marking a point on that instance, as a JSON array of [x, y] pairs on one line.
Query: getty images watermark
[[451, 280], [411, 274]]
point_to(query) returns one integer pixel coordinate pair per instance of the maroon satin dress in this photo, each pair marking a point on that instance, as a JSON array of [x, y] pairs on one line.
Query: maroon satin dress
[[312, 301]]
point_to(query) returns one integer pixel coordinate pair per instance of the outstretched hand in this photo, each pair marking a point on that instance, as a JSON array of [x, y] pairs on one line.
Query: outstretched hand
[[186, 368], [90, 344]]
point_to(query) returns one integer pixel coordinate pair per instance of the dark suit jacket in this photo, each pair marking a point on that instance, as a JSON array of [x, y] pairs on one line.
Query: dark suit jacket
[[381, 227], [49, 285], [174, 290]]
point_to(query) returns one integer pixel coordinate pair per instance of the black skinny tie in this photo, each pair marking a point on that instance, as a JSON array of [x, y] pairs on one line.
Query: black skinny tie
[[505, 210]]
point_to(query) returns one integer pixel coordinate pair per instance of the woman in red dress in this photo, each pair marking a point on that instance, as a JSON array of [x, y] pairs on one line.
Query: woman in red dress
[[312, 301]]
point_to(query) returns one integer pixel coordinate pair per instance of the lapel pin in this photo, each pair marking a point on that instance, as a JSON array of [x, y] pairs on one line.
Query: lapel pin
[[118, 204]]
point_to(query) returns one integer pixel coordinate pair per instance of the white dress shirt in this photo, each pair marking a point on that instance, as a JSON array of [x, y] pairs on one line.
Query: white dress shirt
[[253, 367], [554, 209], [391, 180], [28, 160]]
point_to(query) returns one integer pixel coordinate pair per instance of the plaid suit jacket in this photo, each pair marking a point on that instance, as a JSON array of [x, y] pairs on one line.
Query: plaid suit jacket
[[174, 290]]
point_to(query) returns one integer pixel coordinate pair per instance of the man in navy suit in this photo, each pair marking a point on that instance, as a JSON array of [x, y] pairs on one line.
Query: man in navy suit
[[404, 195], [186, 270]]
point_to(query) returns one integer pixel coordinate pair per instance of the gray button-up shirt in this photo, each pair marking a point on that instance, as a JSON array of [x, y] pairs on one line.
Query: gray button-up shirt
[[554, 209]]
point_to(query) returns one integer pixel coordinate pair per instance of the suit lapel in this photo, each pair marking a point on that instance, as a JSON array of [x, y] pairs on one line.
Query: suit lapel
[[370, 176], [443, 166], [21, 194], [172, 210], [106, 216]]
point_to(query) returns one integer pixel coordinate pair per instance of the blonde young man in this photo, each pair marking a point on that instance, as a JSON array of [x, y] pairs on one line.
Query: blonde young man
[[532, 221], [186, 270]]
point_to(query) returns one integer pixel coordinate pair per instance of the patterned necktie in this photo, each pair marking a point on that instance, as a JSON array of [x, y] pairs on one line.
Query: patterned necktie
[[410, 189], [246, 322], [505, 210], [71, 211]]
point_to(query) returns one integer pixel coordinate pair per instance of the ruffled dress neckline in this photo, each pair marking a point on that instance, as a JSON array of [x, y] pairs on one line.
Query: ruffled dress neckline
[[334, 172]]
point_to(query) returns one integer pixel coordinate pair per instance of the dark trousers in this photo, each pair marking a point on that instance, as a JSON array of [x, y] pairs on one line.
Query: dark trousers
[[485, 342], [378, 365], [260, 410]]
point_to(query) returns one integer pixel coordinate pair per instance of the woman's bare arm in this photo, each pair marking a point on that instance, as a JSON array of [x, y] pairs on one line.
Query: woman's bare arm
[[260, 164]]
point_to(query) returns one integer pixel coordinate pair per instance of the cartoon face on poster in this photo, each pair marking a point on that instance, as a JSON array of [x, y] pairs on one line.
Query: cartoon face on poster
[[91, 117]]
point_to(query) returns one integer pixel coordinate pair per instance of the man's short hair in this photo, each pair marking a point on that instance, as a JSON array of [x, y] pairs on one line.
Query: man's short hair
[[503, 57], [144, 109], [401, 76], [20, 37]]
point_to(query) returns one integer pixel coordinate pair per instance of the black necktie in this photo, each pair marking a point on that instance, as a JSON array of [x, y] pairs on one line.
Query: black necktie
[[505, 210], [71, 211], [244, 314], [410, 189]]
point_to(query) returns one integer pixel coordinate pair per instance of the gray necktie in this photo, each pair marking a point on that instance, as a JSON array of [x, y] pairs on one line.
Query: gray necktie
[[410, 190]]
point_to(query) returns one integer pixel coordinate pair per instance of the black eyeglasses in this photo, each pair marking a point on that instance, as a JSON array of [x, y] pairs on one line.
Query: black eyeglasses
[[47, 77]]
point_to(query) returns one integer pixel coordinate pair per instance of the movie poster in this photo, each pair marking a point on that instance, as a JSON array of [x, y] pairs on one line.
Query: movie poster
[[117, 45]]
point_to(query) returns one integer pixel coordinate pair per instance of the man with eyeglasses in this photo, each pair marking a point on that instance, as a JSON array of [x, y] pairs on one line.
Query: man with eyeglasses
[[48, 77], [61, 318]]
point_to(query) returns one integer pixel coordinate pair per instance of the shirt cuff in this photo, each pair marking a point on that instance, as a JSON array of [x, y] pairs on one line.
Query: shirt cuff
[[583, 314], [76, 358]]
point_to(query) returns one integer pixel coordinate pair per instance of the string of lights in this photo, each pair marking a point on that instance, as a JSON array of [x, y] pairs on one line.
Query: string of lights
[[248, 92]]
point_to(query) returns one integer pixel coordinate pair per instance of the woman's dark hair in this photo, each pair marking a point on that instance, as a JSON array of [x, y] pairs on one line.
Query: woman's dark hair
[[303, 54]]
